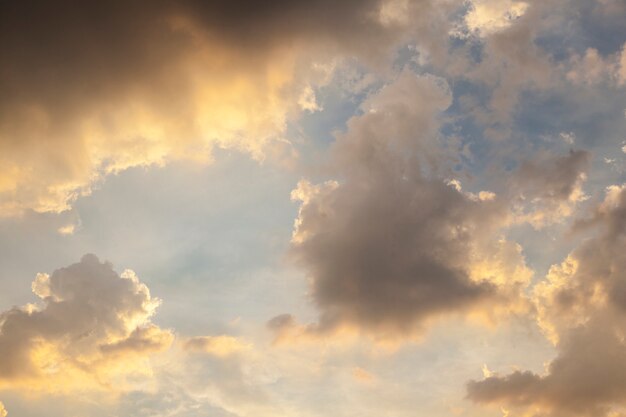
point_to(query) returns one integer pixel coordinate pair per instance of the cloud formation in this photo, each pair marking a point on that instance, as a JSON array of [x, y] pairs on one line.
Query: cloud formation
[[91, 326], [581, 307], [546, 188], [488, 16], [91, 333], [392, 243], [451, 123], [91, 89]]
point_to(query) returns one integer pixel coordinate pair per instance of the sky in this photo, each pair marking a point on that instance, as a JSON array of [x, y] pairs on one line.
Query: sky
[[312, 208]]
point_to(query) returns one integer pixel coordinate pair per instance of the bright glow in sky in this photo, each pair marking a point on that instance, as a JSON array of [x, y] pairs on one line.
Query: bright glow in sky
[[403, 208]]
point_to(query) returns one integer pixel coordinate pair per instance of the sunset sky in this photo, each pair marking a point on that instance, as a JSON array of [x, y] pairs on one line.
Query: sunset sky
[[299, 208]]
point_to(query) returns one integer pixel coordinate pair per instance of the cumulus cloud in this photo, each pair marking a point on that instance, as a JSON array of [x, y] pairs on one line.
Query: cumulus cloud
[[391, 243], [581, 306], [3, 411], [92, 89], [90, 327], [91, 332]]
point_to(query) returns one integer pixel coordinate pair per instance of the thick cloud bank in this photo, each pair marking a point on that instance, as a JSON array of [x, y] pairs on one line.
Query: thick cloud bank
[[91, 88]]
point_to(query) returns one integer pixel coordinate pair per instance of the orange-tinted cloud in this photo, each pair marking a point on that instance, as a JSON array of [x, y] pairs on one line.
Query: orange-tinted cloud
[[91, 327], [91, 89]]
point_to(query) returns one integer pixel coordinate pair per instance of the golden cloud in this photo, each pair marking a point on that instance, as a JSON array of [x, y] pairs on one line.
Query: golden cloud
[[90, 330], [159, 81]]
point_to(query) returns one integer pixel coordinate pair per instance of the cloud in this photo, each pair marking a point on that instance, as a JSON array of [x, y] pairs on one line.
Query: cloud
[[91, 332], [504, 56], [3, 411], [546, 188], [390, 244], [593, 68], [169, 402], [488, 16], [216, 375], [90, 90], [221, 346], [91, 326], [67, 229], [588, 378], [581, 307]]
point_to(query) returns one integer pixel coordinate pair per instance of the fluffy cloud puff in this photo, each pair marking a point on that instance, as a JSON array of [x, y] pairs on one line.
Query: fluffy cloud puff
[[94, 88], [91, 327], [581, 306], [392, 243]]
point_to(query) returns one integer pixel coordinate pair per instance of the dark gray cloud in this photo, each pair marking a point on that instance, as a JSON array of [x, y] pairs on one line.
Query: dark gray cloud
[[71, 52], [392, 243], [390, 252]]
